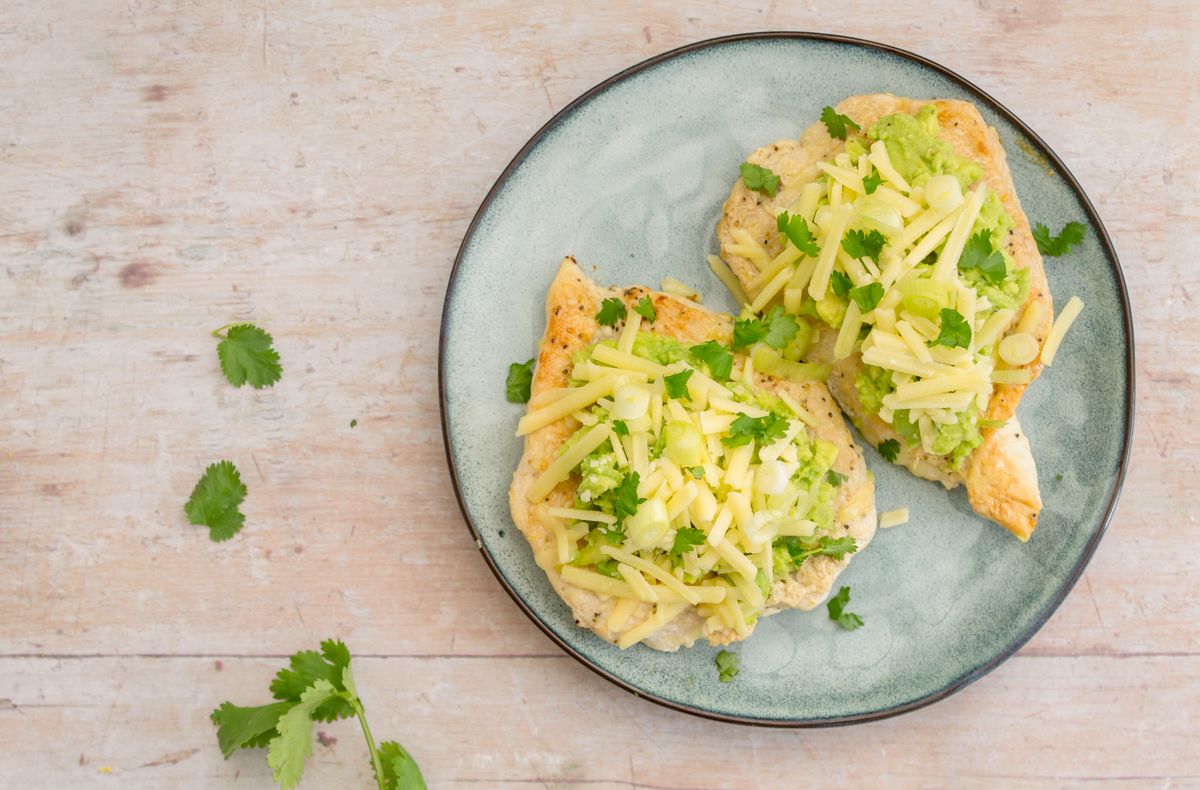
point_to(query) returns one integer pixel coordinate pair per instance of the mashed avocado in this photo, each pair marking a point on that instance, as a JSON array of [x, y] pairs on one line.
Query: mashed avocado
[[656, 348], [872, 385], [993, 219], [917, 152], [598, 476], [1010, 292], [956, 441]]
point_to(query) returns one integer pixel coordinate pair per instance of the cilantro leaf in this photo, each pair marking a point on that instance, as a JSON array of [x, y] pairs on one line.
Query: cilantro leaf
[[620, 428], [890, 450], [798, 232], [801, 549], [765, 430], [978, 254], [840, 283], [837, 610], [215, 499], [246, 355], [954, 332], [287, 750], [781, 328], [835, 479], [867, 296], [686, 539], [713, 355], [860, 244], [400, 771], [246, 728], [1054, 246], [677, 383], [612, 310], [314, 685], [519, 382], [747, 332], [759, 179], [837, 124], [625, 498], [872, 182], [727, 666], [306, 668], [645, 308], [775, 329]]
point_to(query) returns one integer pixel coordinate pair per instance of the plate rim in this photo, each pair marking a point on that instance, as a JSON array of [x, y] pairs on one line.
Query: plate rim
[[1063, 171]]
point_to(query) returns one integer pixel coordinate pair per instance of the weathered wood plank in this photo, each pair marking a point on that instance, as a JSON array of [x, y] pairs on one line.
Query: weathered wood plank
[[167, 168]]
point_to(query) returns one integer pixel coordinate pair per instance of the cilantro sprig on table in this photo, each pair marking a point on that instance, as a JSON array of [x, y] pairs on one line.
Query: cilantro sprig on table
[[215, 499], [314, 687], [247, 356], [1054, 246]]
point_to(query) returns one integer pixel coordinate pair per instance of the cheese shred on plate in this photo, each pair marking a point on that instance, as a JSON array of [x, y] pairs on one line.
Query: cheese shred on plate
[[702, 495]]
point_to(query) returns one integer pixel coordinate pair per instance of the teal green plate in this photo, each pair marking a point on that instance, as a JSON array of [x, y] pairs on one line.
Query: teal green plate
[[630, 178]]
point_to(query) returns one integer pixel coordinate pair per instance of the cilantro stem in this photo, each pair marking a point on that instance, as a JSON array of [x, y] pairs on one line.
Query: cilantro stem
[[217, 332], [366, 728]]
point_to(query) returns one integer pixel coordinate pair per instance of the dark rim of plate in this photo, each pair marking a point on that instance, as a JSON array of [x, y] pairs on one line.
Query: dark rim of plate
[[967, 678]]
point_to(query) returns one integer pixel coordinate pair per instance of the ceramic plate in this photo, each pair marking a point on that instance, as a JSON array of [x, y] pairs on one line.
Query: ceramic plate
[[630, 179]]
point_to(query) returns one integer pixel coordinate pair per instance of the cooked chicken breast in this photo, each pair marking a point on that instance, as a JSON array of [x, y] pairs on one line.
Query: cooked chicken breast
[[1000, 475], [571, 306]]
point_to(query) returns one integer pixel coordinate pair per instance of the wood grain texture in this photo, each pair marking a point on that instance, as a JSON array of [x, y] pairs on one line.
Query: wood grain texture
[[166, 168]]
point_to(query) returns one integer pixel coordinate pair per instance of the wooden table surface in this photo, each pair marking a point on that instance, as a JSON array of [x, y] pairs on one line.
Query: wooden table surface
[[166, 168]]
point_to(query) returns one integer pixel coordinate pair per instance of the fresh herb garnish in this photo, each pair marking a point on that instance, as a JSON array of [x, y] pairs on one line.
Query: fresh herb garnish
[[645, 308], [1054, 246], [890, 450], [978, 254], [776, 329], [867, 296], [625, 496], [872, 181], [796, 229], [840, 283], [677, 383], [316, 687], [695, 471], [715, 356], [837, 124], [354, 423], [759, 179], [837, 610], [246, 355], [215, 499], [835, 479], [954, 332], [765, 430], [620, 428], [801, 549], [727, 666], [686, 539], [612, 310], [861, 244], [519, 382]]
